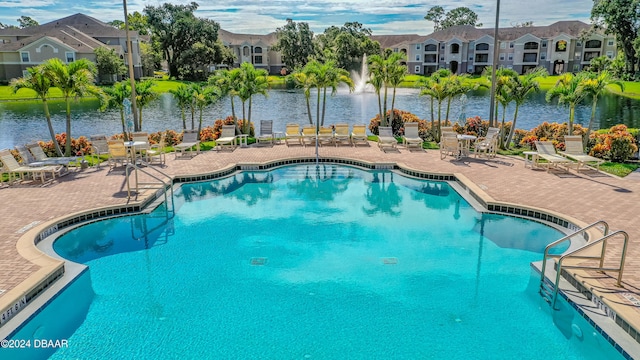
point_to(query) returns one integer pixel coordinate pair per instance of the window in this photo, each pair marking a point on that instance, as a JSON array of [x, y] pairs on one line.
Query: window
[[470, 57], [482, 58], [245, 51], [442, 46], [530, 57], [25, 56], [544, 43], [510, 56], [418, 57], [430, 47], [578, 43], [501, 56], [431, 58], [70, 56], [257, 50], [590, 55], [455, 48], [531, 45], [441, 58], [511, 45], [576, 67], [610, 54], [561, 46], [610, 43], [482, 47], [417, 69], [543, 56], [577, 55], [417, 46], [503, 45], [593, 44], [258, 59]]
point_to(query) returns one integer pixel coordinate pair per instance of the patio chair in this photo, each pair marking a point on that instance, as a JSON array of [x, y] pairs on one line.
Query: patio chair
[[156, 151], [227, 137], [449, 145], [411, 135], [14, 169], [43, 159], [117, 153], [25, 155], [386, 138], [487, 146], [325, 136], [546, 151], [266, 132], [142, 144], [359, 135], [308, 135], [190, 139], [341, 134], [292, 132], [99, 147], [573, 150]]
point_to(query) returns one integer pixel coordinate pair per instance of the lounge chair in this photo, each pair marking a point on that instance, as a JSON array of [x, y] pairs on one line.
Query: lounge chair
[[142, 144], [359, 135], [266, 132], [546, 151], [449, 145], [487, 146], [190, 139], [411, 135], [99, 147], [118, 153], [13, 168], [43, 159], [325, 136], [308, 135], [292, 132], [574, 151], [386, 138], [156, 151], [227, 137], [341, 134]]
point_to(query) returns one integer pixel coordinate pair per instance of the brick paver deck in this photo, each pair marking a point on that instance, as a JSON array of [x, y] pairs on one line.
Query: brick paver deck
[[588, 197]]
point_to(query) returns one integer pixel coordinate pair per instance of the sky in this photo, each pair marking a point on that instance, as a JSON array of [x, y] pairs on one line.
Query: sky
[[383, 17]]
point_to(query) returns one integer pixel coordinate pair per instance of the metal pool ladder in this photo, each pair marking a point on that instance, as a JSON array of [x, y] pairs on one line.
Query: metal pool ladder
[[549, 291], [162, 182]]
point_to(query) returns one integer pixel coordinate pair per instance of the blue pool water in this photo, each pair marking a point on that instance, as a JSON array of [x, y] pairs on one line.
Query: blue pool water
[[309, 263]]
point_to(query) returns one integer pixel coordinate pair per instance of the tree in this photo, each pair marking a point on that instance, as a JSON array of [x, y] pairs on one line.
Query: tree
[[600, 63], [144, 95], [26, 21], [458, 16], [569, 91], [204, 98], [595, 85], [251, 81], [346, 45], [521, 88], [137, 22], [307, 82], [295, 42], [224, 80], [324, 76], [622, 19], [188, 43], [388, 71], [183, 96], [109, 64], [117, 93], [75, 79], [7, 26], [37, 80], [150, 57]]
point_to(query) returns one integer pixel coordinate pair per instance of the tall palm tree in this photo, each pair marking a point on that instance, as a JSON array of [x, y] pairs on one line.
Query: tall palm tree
[[377, 78], [224, 80], [521, 88], [117, 93], [144, 95], [328, 75], [204, 98], [500, 72], [504, 96], [569, 91], [38, 81], [595, 84], [183, 97], [457, 85], [396, 73], [251, 81], [74, 80], [307, 82], [388, 71]]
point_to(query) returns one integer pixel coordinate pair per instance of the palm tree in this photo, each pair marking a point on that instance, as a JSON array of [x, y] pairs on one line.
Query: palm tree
[[307, 82], [327, 75], [224, 80], [183, 96], [251, 81], [144, 95], [522, 87], [74, 80], [595, 84], [117, 93], [387, 71], [501, 72], [504, 96], [38, 81], [396, 73], [569, 91], [377, 78]]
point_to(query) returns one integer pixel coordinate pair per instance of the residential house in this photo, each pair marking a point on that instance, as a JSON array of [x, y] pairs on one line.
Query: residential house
[[255, 49]]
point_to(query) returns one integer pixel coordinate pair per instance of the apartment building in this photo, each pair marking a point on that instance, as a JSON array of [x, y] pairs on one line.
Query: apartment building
[[70, 38]]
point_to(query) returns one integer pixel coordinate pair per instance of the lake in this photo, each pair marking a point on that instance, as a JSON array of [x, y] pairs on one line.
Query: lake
[[23, 121]]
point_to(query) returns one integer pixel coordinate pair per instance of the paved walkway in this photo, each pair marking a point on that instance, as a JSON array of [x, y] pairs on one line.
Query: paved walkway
[[588, 197]]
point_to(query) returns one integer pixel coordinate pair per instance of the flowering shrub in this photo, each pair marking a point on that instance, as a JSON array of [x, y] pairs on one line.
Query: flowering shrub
[[217, 126], [79, 146], [528, 140], [617, 144], [206, 134], [397, 123], [518, 136]]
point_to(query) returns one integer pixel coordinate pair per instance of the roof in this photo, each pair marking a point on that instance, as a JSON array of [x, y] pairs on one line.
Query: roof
[[233, 38]]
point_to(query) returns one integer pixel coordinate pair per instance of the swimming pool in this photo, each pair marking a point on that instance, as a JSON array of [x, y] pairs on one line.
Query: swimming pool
[[309, 262]]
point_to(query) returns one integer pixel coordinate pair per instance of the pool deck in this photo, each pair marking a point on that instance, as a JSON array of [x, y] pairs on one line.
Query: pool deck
[[588, 197]]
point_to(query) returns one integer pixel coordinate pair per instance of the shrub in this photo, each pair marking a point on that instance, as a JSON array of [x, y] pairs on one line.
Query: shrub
[[217, 126], [397, 123], [79, 146], [618, 144]]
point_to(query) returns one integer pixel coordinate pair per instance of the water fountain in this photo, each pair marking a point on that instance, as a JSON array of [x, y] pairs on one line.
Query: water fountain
[[360, 80]]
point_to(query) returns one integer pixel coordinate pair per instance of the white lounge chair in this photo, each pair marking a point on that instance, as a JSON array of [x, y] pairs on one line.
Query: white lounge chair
[[487, 146], [190, 139], [386, 138], [546, 151], [227, 137], [266, 132], [573, 150], [99, 147], [359, 135], [43, 159], [411, 135], [325, 136], [14, 169]]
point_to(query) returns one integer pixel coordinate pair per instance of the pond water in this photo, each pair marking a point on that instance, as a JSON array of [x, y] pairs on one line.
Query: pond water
[[21, 122]]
